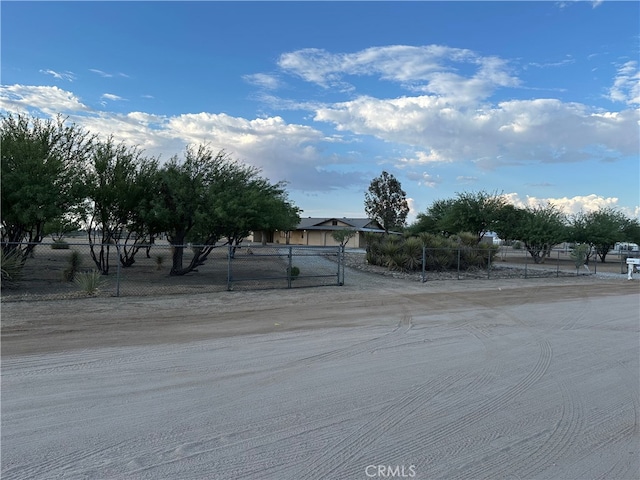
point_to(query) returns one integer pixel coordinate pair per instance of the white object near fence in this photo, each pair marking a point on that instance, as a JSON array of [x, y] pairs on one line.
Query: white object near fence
[[631, 264]]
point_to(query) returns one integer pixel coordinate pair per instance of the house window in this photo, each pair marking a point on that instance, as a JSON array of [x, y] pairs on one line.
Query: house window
[[334, 222]]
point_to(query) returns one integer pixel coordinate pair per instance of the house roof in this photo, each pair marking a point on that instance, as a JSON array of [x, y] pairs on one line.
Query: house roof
[[359, 224]]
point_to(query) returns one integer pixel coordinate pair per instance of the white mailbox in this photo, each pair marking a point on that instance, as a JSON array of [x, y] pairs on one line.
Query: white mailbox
[[631, 264]]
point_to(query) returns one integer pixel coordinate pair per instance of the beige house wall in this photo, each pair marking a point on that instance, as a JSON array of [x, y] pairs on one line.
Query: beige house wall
[[318, 237]]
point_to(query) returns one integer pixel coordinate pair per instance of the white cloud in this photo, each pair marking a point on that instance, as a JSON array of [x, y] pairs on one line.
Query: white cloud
[[430, 69], [454, 121], [421, 158], [50, 100], [626, 84], [106, 74], [511, 132], [111, 96], [283, 151], [466, 179], [69, 76], [424, 179], [569, 206], [262, 80]]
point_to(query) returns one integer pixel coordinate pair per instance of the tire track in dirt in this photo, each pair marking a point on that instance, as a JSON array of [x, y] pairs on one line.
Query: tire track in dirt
[[477, 381], [328, 464], [560, 439], [624, 466], [422, 441], [340, 460]]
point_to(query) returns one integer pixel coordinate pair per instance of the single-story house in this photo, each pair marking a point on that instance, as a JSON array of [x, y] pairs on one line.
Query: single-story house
[[317, 232]]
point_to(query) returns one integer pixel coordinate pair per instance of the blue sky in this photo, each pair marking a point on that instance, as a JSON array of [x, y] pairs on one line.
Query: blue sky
[[539, 101]]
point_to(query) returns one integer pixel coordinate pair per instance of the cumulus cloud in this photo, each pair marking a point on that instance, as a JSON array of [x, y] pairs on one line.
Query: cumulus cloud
[[452, 119], [69, 76], [567, 205], [50, 100], [511, 132], [430, 69], [283, 151]]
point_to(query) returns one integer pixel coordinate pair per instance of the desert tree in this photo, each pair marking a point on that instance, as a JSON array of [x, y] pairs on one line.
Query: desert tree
[[241, 201], [474, 212], [539, 228], [431, 221], [178, 206], [386, 202], [116, 191], [43, 167], [207, 197], [602, 229], [343, 235]]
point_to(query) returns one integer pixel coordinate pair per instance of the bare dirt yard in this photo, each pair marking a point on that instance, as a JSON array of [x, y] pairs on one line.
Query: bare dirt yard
[[380, 378]]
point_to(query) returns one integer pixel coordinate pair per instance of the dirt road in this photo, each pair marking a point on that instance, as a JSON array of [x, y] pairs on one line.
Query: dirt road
[[377, 379]]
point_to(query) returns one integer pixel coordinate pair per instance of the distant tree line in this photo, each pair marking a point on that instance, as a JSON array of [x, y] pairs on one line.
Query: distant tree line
[[58, 177], [463, 221], [539, 228]]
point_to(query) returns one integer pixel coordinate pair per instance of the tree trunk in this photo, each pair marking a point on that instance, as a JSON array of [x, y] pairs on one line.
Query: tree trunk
[[176, 259]]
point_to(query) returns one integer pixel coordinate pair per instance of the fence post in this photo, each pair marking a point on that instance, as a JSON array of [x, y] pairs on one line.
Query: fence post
[[558, 265], [526, 262], [489, 263], [458, 263], [229, 286], [289, 270], [424, 264], [341, 264], [117, 268]]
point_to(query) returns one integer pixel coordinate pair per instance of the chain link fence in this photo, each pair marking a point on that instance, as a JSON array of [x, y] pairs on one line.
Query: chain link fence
[[55, 268], [467, 263]]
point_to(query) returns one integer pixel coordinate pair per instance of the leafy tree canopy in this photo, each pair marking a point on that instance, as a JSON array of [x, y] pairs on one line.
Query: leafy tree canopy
[[601, 229], [386, 202], [43, 163]]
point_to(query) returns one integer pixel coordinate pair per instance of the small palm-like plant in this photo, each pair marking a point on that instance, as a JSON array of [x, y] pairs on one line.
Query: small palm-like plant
[[11, 267], [90, 282], [75, 262], [412, 254], [159, 260]]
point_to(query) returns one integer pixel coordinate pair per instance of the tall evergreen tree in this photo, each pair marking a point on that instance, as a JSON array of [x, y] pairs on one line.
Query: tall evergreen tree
[[386, 202]]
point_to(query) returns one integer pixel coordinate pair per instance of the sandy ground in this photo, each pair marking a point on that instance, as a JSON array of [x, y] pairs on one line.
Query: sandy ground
[[381, 378]]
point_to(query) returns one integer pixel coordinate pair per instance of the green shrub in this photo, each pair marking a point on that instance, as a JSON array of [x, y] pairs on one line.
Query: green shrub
[[398, 253], [90, 282], [412, 254], [11, 267], [159, 261], [579, 254], [294, 272], [59, 245]]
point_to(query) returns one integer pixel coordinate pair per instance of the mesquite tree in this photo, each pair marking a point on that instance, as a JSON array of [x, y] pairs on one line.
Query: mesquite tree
[[43, 164]]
